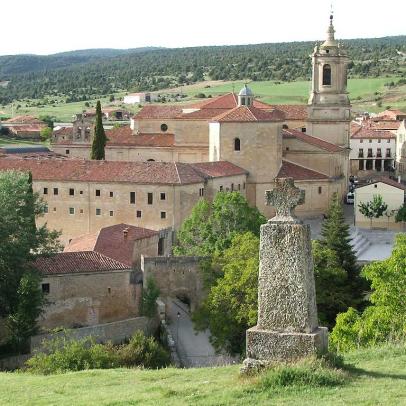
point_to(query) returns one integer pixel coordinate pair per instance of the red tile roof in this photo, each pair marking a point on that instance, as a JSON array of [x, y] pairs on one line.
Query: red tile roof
[[226, 101], [173, 173], [292, 111], [125, 136], [370, 133], [77, 262], [219, 169], [155, 111], [110, 241], [297, 172], [63, 131], [249, 114], [309, 139]]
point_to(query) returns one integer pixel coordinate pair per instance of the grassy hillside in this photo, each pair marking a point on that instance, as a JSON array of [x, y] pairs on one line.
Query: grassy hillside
[[377, 378]]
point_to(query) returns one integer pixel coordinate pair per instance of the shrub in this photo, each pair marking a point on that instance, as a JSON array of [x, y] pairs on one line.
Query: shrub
[[64, 354], [143, 351]]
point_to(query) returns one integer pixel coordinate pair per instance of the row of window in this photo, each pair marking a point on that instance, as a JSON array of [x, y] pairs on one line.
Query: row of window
[[150, 196], [72, 211], [370, 141], [233, 188], [370, 154]]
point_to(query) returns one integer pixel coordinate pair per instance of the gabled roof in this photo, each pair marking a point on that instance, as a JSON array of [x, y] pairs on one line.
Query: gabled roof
[[297, 172], [154, 111], [249, 114], [124, 136], [116, 242], [292, 111], [309, 139], [77, 262], [370, 133], [219, 169], [387, 181]]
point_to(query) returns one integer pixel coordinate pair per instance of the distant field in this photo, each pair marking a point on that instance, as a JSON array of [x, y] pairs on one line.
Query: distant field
[[363, 94], [18, 143]]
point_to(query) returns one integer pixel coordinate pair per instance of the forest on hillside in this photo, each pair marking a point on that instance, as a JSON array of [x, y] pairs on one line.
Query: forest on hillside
[[82, 75]]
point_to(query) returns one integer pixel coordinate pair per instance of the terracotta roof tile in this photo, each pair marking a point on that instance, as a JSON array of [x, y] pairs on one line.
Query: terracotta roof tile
[[297, 172], [387, 181], [125, 136], [219, 169], [226, 101], [85, 242], [249, 114], [77, 262], [104, 171], [155, 111], [309, 139], [292, 111], [370, 133]]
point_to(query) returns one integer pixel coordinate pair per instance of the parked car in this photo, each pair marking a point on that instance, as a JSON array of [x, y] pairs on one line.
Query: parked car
[[349, 198]]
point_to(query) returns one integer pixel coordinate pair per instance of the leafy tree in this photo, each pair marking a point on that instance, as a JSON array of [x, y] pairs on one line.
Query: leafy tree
[[385, 318], [333, 290], [99, 139], [45, 133], [149, 296], [211, 227], [49, 120], [231, 305], [373, 209], [401, 214], [20, 242]]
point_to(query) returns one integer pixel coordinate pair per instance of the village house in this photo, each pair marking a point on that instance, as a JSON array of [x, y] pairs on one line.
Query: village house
[[392, 193], [24, 127], [142, 97]]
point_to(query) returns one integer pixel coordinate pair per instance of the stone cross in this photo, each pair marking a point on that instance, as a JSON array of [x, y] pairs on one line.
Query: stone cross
[[285, 197], [287, 326]]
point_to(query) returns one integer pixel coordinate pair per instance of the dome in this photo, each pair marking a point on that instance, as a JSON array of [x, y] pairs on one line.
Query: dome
[[245, 91]]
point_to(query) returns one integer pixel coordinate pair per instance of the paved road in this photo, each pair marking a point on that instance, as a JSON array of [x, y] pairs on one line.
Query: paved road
[[193, 347]]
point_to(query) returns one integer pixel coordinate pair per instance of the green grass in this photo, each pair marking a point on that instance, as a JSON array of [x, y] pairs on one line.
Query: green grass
[[12, 142], [378, 377]]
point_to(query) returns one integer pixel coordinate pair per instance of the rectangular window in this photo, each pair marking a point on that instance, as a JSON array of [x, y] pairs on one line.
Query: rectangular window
[[71, 210], [67, 152], [111, 194], [388, 141], [387, 152], [303, 129], [370, 141], [232, 186], [361, 141], [163, 196], [81, 211], [45, 190], [111, 213], [45, 288], [81, 192], [221, 188], [379, 141], [54, 209], [239, 186], [139, 214], [163, 214], [132, 197], [150, 198], [98, 212], [320, 190], [56, 191], [97, 192], [71, 192], [201, 192]]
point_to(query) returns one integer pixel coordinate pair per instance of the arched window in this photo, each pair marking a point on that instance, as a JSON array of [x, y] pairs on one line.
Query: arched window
[[237, 144], [326, 75], [151, 160], [285, 126]]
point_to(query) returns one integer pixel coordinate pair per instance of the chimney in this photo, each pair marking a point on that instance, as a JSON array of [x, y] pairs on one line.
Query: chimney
[[125, 233]]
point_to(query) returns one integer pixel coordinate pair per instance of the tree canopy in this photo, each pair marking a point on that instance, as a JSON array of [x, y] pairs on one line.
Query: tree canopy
[[99, 138], [20, 242], [211, 226]]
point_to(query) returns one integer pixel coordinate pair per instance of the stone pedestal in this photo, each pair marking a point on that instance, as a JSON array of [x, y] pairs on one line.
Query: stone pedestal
[[287, 327]]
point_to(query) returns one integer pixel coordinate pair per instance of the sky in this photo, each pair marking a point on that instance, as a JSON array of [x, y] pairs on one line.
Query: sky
[[51, 26]]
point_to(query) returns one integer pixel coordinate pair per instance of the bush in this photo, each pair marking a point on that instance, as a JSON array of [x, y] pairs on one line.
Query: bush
[[143, 351], [65, 354]]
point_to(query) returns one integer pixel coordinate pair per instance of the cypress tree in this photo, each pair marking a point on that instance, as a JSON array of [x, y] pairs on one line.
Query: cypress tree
[[335, 234], [99, 139]]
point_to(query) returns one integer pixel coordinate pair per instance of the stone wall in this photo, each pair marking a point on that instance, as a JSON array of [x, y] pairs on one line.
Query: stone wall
[[176, 277], [116, 332], [91, 298]]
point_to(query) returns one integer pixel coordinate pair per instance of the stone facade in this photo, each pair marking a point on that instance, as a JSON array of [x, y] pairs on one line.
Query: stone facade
[[87, 299], [287, 326], [176, 277]]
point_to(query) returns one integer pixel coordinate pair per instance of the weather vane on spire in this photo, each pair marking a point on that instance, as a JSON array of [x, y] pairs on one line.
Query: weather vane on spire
[[331, 12]]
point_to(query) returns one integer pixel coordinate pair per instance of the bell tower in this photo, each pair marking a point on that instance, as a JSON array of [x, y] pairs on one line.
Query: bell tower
[[329, 106]]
